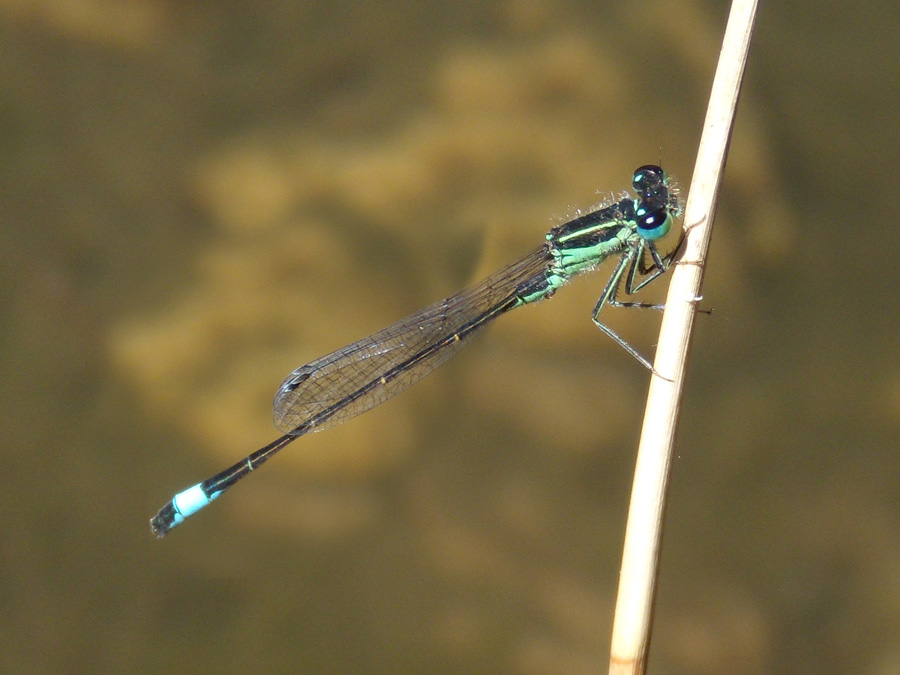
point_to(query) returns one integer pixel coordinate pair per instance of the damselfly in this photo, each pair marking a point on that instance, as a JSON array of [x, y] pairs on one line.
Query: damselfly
[[356, 378]]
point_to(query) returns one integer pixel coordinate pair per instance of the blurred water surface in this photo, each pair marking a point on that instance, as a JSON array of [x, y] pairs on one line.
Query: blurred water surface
[[197, 199]]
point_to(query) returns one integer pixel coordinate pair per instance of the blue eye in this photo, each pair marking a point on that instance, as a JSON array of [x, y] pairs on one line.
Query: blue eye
[[652, 225]]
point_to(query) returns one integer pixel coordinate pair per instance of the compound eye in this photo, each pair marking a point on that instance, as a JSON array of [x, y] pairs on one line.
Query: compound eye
[[648, 177], [653, 225]]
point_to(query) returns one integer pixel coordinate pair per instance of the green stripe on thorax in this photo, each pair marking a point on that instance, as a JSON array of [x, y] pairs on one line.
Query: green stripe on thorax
[[581, 244]]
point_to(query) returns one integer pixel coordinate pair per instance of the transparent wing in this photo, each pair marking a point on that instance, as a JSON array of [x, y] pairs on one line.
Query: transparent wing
[[356, 378]]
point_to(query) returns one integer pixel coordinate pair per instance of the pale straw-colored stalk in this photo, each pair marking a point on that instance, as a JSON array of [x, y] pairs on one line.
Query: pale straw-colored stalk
[[640, 558]]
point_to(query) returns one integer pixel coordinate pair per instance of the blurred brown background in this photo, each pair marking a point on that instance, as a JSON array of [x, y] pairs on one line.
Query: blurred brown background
[[199, 197]]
